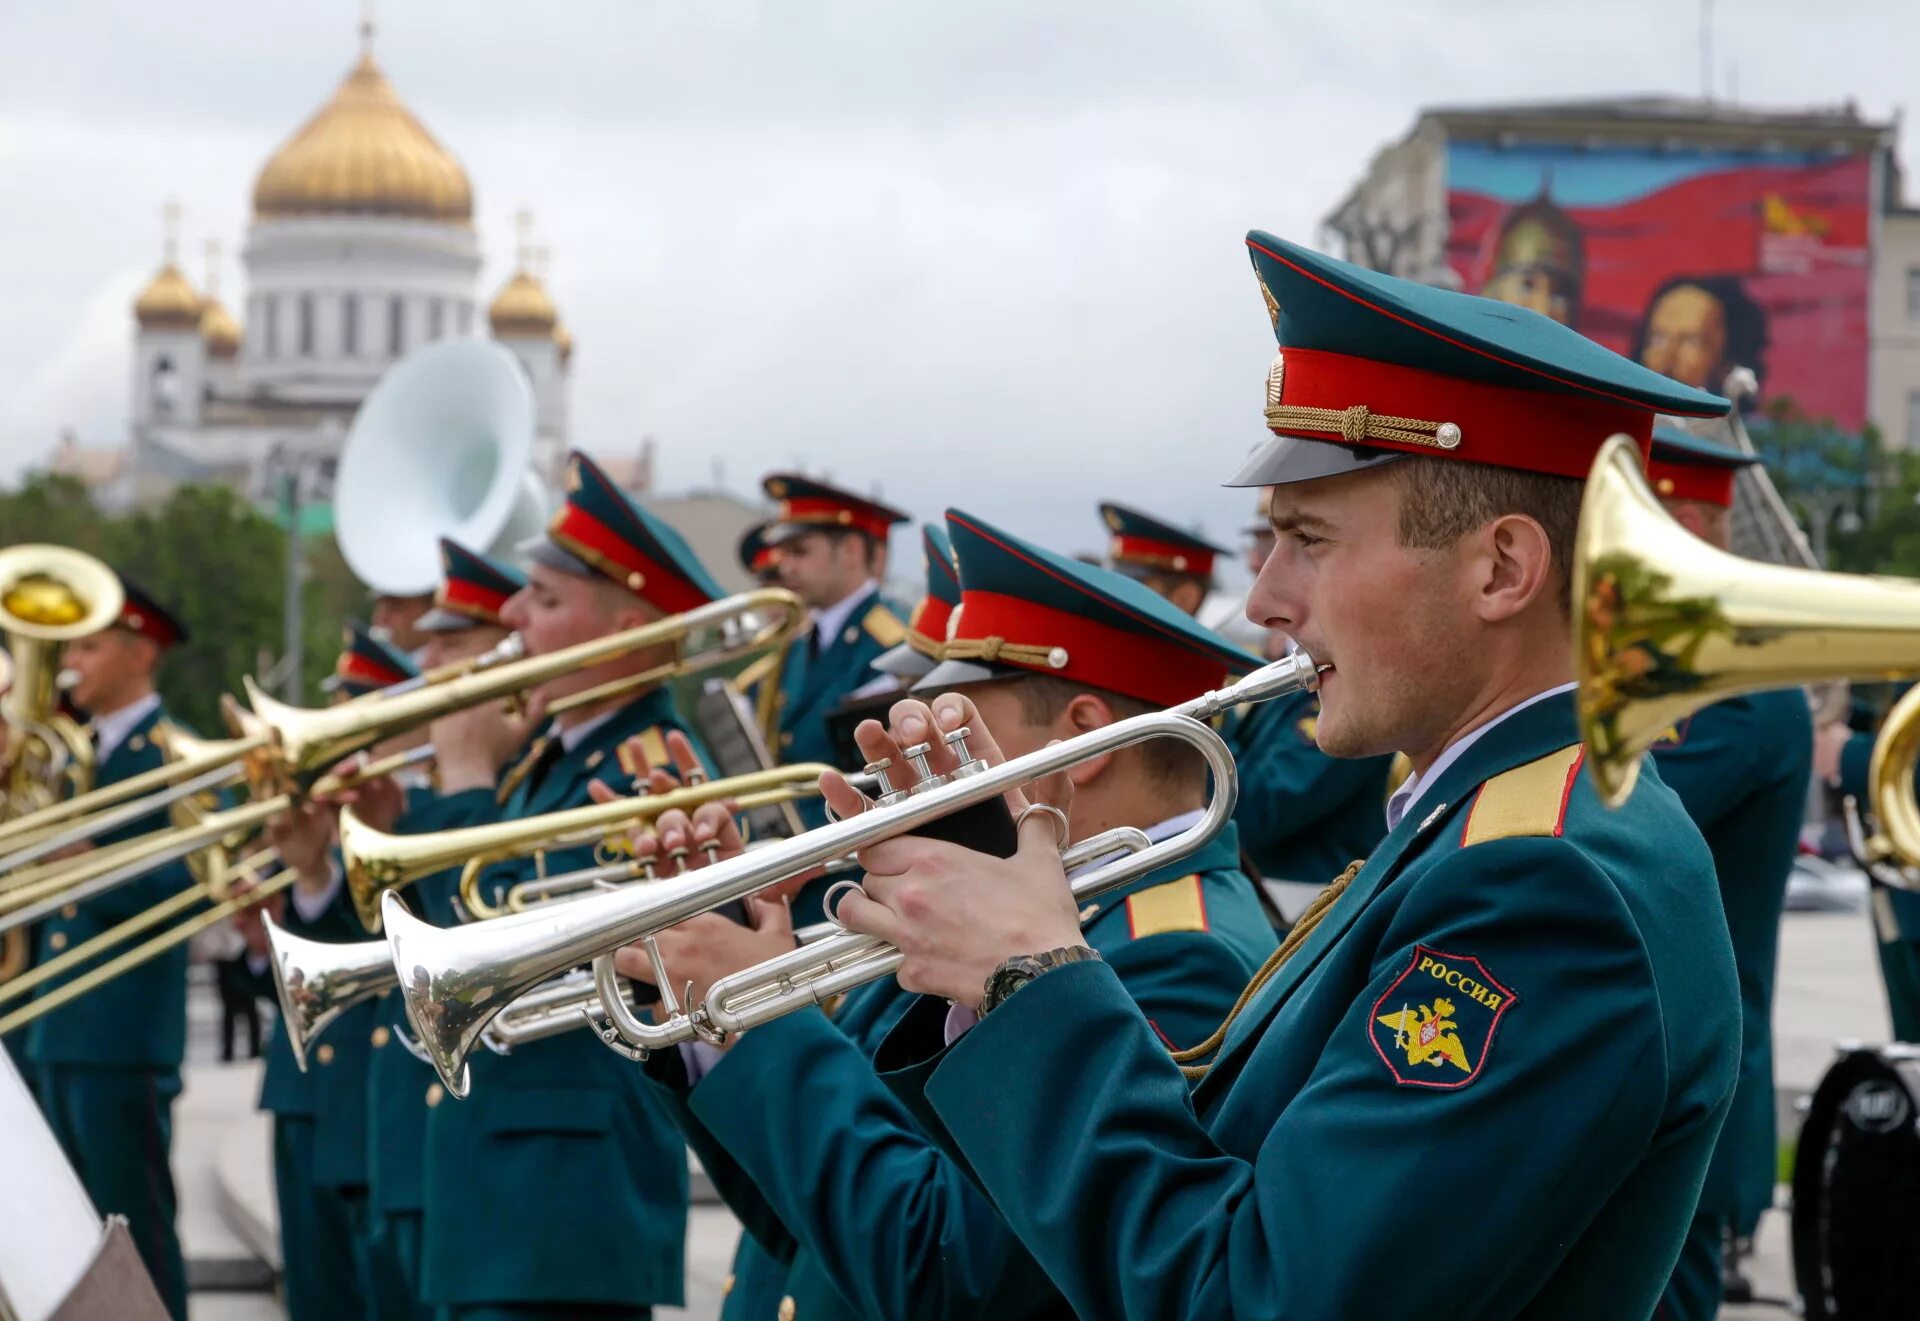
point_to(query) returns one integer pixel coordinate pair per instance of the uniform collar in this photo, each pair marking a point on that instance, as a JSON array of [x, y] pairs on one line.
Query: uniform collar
[[572, 736], [1221, 853], [111, 730], [829, 620], [1415, 785]]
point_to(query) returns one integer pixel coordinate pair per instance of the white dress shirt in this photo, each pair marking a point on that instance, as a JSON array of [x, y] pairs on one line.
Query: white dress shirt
[[111, 730], [1416, 784], [829, 620]]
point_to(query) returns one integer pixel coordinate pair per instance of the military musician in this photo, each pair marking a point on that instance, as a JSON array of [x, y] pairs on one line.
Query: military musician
[[1489, 1080], [107, 1064], [851, 1208]]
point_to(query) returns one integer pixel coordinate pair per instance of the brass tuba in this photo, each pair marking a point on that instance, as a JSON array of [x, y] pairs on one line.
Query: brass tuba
[[49, 595]]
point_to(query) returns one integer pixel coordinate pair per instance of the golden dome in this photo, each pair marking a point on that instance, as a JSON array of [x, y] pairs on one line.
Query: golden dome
[[220, 331], [523, 308], [563, 341], [168, 302], [363, 153]]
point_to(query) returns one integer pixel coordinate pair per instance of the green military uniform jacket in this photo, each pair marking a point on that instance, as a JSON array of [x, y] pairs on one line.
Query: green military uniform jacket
[[811, 686], [558, 1180], [851, 1210], [1741, 768], [397, 1083], [137, 1020], [1895, 912], [1303, 815], [1487, 1085]]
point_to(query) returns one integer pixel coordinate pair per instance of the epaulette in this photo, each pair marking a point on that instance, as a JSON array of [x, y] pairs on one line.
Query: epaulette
[[1176, 905], [1527, 800], [654, 744], [883, 626]]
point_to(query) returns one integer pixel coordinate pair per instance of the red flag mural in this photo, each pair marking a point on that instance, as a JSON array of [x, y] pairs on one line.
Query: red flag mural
[[1691, 262]]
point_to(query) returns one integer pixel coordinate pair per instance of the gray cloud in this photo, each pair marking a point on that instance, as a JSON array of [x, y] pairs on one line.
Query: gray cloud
[[984, 254]]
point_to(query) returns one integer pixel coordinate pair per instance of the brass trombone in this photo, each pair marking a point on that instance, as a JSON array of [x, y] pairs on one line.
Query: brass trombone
[[1665, 625], [455, 981], [376, 861]]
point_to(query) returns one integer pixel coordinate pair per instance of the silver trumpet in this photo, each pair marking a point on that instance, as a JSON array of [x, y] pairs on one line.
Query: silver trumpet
[[454, 982]]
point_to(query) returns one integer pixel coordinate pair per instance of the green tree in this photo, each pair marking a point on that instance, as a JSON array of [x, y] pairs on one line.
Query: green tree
[[216, 561]]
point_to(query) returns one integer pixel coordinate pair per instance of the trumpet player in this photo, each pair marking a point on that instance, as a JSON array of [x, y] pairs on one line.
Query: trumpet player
[[560, 1189], [851, 1208], [1302, 814], [320, 1114], [1741, 768], [465, 622], [108, 1063], [1487, 1080]]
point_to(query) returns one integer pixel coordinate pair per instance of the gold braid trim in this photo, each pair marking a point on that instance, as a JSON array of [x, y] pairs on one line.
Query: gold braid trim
[[1275, 961], [1359, 424], [926, 644], [999, 649]]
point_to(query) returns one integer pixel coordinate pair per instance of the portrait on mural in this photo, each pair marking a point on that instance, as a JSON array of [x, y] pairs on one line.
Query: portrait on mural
[[1692, 262]]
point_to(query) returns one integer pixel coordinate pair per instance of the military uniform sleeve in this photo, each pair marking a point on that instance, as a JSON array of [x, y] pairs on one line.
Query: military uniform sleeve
[[1855, 758], [1712, 765], [1340, 1209], [897, 1224]]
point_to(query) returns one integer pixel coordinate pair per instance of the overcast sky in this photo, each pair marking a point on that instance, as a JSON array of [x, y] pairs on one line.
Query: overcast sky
[[979, 254]]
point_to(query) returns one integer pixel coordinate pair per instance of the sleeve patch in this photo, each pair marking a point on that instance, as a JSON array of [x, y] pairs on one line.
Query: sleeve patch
[[884, 627], [1527, 800], [1434, 1026], [1175, 906]]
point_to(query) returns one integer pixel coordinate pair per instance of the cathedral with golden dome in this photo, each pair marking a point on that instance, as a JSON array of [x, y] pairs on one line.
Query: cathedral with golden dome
[[361, 247]]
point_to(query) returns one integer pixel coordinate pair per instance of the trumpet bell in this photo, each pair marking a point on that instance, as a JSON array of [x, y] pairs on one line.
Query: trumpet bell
[[1665, 624], [317, 981]]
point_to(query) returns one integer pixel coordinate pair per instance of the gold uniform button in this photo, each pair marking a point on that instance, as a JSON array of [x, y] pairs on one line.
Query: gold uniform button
[[380, 1035], [787, 1309], [434, 1093], [58, 940], [70, 912], [786, 739], [136, 743], [324, 1054]]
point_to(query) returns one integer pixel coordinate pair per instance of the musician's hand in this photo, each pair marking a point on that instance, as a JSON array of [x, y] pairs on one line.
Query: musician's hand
[[956, 914], [70, 851], [704, 949], [685, 768], [250, 921], [1829, 742], [377, 802], [303, 837], [710, 834], [471, 747]]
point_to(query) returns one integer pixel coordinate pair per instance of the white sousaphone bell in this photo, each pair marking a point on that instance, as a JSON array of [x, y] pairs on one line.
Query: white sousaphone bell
[[442, 447]]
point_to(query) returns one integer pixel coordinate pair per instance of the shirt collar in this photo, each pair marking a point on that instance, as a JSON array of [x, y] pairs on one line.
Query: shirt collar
[[1167, 829], [828, 620], [1416, 784], [111, 730], [571, 738]]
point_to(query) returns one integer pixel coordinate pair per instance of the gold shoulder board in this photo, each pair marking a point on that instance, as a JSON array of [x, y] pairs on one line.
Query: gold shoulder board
[[1178, 905], [884, 627], [1527, 800]]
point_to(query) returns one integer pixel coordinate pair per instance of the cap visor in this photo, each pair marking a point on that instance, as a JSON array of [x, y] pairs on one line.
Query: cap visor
[[953, 673], [438, 620], [541, 550], [904, 662], [1284, 460]]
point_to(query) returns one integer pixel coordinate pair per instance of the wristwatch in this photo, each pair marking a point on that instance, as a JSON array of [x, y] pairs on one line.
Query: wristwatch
[[1023, 968]]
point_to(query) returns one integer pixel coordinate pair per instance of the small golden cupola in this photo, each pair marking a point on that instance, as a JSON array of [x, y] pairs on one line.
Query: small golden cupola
[[523, 309], [364, 153], [168, 302], [218, 329]]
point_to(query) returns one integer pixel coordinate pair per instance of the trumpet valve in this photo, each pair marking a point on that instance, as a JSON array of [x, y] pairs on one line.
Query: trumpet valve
[[678, 857], [711, 848], [888, 795], [969, 764], [929, 778]]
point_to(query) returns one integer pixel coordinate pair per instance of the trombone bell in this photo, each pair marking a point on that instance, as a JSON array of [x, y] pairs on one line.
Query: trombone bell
[[1665, 624]]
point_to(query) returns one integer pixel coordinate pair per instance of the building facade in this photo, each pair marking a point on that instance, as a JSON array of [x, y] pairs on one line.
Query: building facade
[[1693, 236], [361, 247]]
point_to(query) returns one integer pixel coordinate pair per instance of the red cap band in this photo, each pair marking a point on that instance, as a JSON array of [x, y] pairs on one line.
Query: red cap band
[[1708, 483], [148, 625], [471, 599], [1542, 431], [1118, 660], [1127, 549], [589, 539], [830, 513]]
